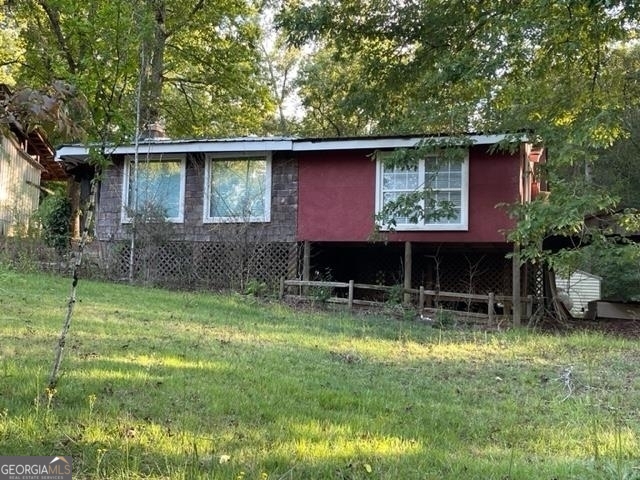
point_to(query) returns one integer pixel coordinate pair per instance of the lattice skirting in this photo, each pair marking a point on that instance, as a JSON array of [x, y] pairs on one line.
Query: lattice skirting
[[232, 265], [203, 264]]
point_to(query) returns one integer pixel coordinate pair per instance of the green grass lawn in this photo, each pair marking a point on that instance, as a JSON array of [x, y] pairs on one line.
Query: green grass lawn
[[160, 384]]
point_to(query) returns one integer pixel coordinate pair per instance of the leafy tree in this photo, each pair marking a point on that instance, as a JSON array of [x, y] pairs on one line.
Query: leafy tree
[[456, 66], [561, 71], [197, 61], [10, 49], [616, 168], [280, 63], [329, 86], [619, 267]]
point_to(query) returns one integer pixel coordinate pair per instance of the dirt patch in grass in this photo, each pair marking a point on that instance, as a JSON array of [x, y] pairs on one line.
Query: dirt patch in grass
[[615, 327], [608, 326]]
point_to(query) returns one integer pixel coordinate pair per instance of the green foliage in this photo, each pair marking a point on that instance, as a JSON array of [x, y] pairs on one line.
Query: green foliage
[[55, 216], [10, 50], [330, 90], [201, 62], [619, 267], [563, 213], [321, 294], [395, 296], [453, 66], [616, 170], [566, 73], [256, 288], [444, 318]]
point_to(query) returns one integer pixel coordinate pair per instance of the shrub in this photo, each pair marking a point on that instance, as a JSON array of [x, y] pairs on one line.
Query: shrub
[[55, 217]]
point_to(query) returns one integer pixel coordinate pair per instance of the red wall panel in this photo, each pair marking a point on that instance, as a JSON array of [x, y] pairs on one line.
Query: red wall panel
[[337, 198]]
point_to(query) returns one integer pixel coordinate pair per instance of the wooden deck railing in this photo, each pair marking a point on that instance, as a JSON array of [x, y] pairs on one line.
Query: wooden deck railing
[[425, 298]]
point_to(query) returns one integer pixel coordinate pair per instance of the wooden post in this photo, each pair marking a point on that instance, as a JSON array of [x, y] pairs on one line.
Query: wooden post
[[529, 313], [306, 265], [281, 288], [421, 300], [516, 285], [306, 261], [350, 294], [293, 261], [407, 270], [490, 308]]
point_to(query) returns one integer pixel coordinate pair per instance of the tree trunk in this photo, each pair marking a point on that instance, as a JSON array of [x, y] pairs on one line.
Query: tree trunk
[[55, 370], [154, 47]]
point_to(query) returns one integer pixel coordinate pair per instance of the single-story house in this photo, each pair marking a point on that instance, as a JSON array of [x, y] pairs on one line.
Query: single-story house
[[263, 208]]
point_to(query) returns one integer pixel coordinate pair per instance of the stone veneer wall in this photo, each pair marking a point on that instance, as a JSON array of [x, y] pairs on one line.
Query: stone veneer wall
[[284, 207], [194, 253]]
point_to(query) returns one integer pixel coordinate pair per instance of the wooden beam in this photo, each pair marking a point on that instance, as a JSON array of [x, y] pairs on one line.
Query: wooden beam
[[306, 261], [407, 270], [350, 294], [516, 286], [490, 308], [306, 264]]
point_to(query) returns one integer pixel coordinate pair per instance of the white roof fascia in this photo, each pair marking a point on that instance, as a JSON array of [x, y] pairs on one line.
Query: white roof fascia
[[159, 148], [378, 143], [265, 145], [207, 147], [71, 151]]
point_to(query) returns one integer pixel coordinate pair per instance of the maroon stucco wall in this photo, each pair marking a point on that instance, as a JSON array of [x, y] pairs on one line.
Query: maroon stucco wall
[[337, 198]]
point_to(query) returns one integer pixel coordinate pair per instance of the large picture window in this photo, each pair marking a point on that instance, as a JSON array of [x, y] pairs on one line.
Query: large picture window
[[159, 189], [444, 184], [238, 189]]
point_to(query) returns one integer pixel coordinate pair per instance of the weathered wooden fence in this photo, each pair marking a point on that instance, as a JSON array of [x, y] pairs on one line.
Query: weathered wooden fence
[[420, 297]]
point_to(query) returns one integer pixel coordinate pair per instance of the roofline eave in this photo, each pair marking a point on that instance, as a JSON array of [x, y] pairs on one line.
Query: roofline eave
[[79, 153]]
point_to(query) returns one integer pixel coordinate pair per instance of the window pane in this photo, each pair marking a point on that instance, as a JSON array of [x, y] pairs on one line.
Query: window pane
[[455, 180], [391, 196], [443, 178], [396, 181], [448, 176], [158, 187], [453, 206], [238, 188], [446, 181], [400, 178]]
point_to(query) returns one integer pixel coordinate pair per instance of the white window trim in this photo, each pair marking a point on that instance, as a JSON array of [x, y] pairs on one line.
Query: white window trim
[[128, 164], [464, 200], [206, 218]]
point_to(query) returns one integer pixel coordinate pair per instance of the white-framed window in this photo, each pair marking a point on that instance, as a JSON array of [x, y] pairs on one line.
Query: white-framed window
[[159, 189], [447, 181], [237, 188]]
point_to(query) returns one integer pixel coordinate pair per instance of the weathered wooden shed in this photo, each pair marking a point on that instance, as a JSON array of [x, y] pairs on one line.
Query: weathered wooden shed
[[26, 158]]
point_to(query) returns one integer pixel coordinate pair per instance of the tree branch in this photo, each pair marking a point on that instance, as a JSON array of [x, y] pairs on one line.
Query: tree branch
[[54, 20], [196, 8]]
